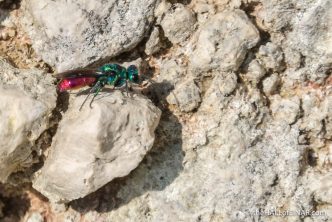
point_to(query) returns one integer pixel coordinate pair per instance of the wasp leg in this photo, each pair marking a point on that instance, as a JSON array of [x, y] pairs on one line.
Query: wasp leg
[[93, 89], [96, 93], [127, 87]]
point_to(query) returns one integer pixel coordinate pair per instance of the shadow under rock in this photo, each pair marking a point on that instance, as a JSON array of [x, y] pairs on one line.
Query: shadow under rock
[[14, 203], [158, 169], [10, 4], [4, 14]]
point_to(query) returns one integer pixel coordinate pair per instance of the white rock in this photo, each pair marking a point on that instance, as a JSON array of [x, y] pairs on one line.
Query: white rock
[[178, 23], [27, 99], [273, 16], [224, 41], [186, 95], [313, 31], [171, 71], [271, 83], [255, 71], [285, 109], [317, 116], [271, 56], [153, 44], [96, 145], [226, 83], [293, 58], [71, 34], [35, 217]]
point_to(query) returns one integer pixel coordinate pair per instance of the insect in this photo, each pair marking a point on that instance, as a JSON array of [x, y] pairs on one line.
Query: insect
[[108, 74]]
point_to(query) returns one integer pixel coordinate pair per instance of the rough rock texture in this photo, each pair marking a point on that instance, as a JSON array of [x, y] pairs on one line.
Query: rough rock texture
[[248, 140], [256, 71], [314, 25], [27, 99], [271, 56], [178, 23], [270, 84], [224, 41], [35, 217], [71, 34], [94, 146], [154, 44], [186, 95]]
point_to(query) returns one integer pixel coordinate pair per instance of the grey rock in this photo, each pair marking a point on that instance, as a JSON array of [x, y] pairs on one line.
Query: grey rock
[[35, 217], [226, 83], [154, 43], [71, 34], [271, 83], [203, 10], [317, 118], [162, 8], [5, 19], [223, 42], [293, 58], [312, 32], [94, 146], [285, 109], [255, 141], [171, 71], [27, 99], [271, 56], [256, 71], [232, 170], [276, 15], [293, 77], [178, 23], [186, 95], [71, 216], [303, 33]]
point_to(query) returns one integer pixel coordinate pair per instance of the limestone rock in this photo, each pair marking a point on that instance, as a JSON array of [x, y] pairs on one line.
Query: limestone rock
[[271, 56], [35, 217], [96, 145], [71, 34], [27, 99], [258, 139], [317, 118], [223, 42], [272, 15], [171, 71], [314, 26], [178, 23], [186, 95], [256, 71], [153, 44], [286, 109], [270, 84], [226, 83]]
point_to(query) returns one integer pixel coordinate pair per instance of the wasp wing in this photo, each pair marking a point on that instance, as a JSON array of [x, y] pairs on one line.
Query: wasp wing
[[78, 73]]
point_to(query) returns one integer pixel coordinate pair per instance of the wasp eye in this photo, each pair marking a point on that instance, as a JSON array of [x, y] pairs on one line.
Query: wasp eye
[[133, 73], [134, 78]]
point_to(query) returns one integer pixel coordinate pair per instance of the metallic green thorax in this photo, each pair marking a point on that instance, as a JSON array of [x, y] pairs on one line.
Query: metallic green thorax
[[116, 75], [113, 75]]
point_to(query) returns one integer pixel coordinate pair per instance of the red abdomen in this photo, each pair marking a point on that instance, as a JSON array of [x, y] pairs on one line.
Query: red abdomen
[[75, 83]]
